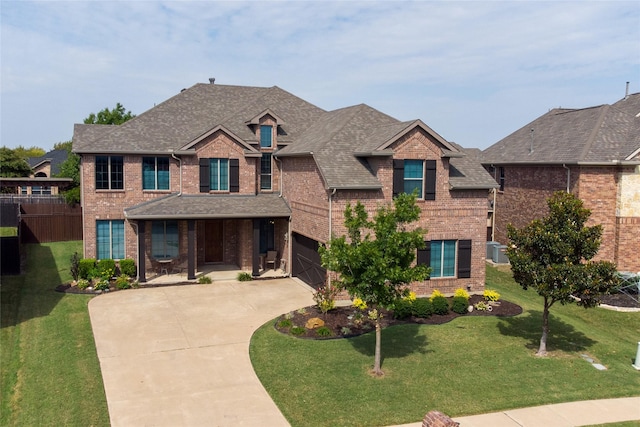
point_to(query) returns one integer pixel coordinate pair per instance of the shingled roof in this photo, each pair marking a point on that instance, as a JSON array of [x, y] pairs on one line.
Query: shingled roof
[[55, 157], [339, 141], [597, 135]]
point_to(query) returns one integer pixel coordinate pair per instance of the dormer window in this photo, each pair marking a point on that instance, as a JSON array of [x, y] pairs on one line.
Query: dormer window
[[266, 136]]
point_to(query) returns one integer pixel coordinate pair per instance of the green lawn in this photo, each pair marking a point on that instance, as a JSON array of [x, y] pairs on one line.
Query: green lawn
[[50, 373], [468, 366], [8, 231]]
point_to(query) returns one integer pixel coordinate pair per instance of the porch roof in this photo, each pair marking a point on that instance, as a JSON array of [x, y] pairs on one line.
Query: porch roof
[[210, 206]]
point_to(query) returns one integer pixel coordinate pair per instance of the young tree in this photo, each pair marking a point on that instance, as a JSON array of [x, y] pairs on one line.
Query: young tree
[[553, 256], [377, 268]]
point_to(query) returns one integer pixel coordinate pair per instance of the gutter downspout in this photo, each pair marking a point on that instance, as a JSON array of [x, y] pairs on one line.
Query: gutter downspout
[[281, 174], [180, 169], [330, 226], [493, 217], [568, 177]]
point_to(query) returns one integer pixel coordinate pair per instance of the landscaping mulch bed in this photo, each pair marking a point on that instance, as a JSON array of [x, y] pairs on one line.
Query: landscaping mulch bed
[[337, 319], [621, 300]]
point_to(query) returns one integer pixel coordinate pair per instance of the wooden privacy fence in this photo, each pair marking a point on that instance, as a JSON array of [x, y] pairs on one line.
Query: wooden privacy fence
[[47, 222]]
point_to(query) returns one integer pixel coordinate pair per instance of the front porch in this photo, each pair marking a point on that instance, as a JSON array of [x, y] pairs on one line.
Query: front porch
[[216, 272]]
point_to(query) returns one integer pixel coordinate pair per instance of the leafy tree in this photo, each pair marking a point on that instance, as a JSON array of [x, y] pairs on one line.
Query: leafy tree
[[377, 268], [12, 164], [65, 145], [116, 116], [553, 256], [25, 153]]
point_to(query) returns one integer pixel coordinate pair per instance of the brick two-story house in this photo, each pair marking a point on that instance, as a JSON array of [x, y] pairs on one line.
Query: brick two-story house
[[223, 174], [593, 153]]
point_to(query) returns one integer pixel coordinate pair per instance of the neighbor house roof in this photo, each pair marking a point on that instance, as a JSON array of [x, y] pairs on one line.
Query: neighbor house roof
[[54, 157], [467, 173], [206, 207], [597, 135]]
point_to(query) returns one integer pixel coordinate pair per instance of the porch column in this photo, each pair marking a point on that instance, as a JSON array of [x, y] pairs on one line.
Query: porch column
[[142, 270], [256, 248], [191, 249]]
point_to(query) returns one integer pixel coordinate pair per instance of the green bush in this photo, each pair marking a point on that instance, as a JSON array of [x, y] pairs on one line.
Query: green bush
[[74, 269], [325, 298], [128, 267], [323, 331], [297, 330], [243, 276], [402, 309], [106, 268], [422, 308], [85, 266], [101, 285], [285, 324], [83, 284], [122, 282], [460, 305], [204, 280], [440, 305]]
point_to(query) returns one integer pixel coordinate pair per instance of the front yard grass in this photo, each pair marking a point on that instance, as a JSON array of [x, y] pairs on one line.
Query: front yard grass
[[50, 374], [471, 365]]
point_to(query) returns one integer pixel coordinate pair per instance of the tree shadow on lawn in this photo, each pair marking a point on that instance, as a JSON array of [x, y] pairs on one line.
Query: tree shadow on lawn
[[397, 342], [562, 336]]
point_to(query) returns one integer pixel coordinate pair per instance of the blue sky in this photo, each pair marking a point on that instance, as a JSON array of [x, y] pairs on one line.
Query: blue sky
[[473, 71]]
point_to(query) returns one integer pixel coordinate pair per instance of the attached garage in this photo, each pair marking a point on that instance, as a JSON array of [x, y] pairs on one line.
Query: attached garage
[[306, 261]]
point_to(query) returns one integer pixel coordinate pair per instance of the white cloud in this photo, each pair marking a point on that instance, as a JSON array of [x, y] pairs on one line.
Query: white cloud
[[474, 71]]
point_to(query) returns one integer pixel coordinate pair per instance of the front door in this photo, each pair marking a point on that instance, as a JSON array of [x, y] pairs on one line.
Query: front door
[[213, 249]]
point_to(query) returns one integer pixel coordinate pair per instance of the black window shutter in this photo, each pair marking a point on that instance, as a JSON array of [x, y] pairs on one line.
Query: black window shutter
[[430, 184], [398, 177], [424, 255], [204, 176], [464, 259], [234, 175]]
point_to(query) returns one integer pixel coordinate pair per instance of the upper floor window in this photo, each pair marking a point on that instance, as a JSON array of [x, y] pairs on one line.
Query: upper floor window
[[155, 173], [447, 258], [501, 178], [164, 239], [415, 175], [109, 173], [266, 136], [110, 239], [265, 172], [218, 174]]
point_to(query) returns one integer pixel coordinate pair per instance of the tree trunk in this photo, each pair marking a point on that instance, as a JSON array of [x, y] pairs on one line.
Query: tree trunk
[[376, 363], [542, 350]]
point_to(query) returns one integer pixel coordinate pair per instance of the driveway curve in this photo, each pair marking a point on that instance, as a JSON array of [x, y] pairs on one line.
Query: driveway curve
[[179, 355]]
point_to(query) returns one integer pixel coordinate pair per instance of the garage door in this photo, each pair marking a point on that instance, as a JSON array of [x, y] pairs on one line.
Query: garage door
[[306, 261]]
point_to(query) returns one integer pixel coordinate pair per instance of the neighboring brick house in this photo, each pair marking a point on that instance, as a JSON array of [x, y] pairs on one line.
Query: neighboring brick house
[[223, 174], [42, 181], [593, 153]]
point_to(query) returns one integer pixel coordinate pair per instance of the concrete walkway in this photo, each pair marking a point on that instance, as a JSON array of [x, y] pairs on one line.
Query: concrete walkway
[[179, 355]]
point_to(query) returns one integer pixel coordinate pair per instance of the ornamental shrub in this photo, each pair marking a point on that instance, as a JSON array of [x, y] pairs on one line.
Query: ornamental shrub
[[83, 284], [359, 304], [101, 285], [297, 330], [203, 280], [243, 276], [461, 293], [106, 268], [402, 309], [122, 282], [411, 296], [435, 294], [325, 298], [459, 304], [285, 324], [85, 266], [128, 267], [491, 295], [75, 266], [440, 305], [422, 308], [323, 331]]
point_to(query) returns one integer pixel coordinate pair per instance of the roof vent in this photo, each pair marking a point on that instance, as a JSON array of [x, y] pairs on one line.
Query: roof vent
[[626, 92], [212, 80]]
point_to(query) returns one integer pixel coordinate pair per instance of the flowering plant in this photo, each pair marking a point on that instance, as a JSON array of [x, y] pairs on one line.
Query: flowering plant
[[359, 303], [325, 298], [491, 295], [411, 297], [436, 293], [461, 293]]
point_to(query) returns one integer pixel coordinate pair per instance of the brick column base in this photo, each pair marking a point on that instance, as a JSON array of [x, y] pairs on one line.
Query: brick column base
[[438, 419]]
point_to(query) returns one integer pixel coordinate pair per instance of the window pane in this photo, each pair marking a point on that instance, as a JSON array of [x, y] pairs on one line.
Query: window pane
[[102, 173], [117, 239], [117, 173], [214, 174], [410, 186], [265, 136], [171, 247], [148, 173], [436, 258], [449, 258], [413, 169], [163, 173], [265, 172], [103, 238], [224, 175]]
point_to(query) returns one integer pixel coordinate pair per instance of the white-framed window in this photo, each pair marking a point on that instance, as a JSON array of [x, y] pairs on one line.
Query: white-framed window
[[110, 239]]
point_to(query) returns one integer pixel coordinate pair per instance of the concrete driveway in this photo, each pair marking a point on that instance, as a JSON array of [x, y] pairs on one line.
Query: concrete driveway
[[179, 355]]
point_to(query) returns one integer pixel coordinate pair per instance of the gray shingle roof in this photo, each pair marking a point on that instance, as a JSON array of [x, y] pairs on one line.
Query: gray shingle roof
[[209, 206], [56, 157], [601, 134], [467, 173]]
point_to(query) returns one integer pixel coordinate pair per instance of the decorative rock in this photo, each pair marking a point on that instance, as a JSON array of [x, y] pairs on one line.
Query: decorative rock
[[470, 308], [438, 419], [314, 322]]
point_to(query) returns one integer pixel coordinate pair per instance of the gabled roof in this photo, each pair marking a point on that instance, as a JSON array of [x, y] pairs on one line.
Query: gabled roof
[[206, 206], [194, 112], [466, 172], [55, 157], [597, 135]]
